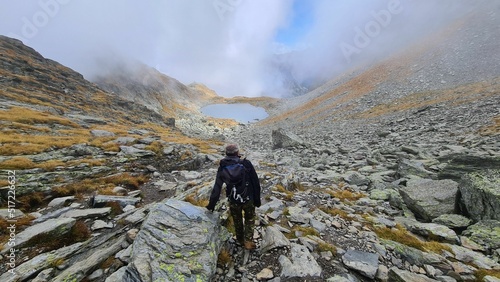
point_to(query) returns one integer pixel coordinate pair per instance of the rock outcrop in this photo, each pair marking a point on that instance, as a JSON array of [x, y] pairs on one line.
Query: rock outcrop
[[480, 195], [177, 242]]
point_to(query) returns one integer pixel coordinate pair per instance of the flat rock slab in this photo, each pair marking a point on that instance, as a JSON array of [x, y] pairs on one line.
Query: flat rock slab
[[300, 263], [54, 227], [87, 213], [362, 262]]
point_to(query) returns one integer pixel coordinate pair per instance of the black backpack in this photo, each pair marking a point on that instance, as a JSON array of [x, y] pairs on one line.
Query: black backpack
[[237, 185]]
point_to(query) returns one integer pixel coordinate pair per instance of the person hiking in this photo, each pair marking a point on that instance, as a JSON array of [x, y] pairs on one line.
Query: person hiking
[[242, 190]]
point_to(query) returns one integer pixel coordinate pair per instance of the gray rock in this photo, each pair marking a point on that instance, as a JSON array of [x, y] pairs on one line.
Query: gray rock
[[87, 213], [61, 201], [275, 204], [125, 140], [11, 213], [356, 178], [101, 133], [44, 276], [101, 224], [399, 275], [476, 258], [299, 215], [430, 230], [55, 227], [78, 270], [177, 242], [413, 255], [429, 199], [362, 262], [485, 233], [480, 195], [300, 263], [458, 165], [40, 262], [102, 200], [408, 168], [117, 276], [134, 152], [453, 221], [272, 239], [283, 139]]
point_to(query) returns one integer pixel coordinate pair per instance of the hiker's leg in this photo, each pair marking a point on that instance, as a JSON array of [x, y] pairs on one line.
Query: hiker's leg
[[249, 209], [236, 213]]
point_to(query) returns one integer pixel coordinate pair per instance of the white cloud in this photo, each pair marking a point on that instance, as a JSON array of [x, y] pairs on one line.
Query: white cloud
[[226, 44]]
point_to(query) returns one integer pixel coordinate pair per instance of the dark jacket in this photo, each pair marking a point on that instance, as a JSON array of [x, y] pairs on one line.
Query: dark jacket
[[254, 181]]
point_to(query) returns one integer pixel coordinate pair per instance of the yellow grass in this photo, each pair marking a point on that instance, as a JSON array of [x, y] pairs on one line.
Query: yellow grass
[[17, 163], [401, 235], [29, 116]]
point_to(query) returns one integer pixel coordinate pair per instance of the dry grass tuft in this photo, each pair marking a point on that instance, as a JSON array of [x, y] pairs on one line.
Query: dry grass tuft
[[346, 195], [481, 273], [401, 235], [31, 201], [325, 247], [29, 116], [337, 212], [195, 200], [224, 257], [17, 163], [288, 194]]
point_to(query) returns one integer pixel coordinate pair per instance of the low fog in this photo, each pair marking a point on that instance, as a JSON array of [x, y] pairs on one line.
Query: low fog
[[235, 47]]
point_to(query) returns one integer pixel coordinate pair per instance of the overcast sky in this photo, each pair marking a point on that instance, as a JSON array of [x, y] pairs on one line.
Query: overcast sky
[[229, 45]]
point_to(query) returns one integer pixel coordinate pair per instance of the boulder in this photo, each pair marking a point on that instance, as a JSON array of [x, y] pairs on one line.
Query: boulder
[[429, 199], [299, 264], [362, 262], [273, 238], [457, 165], [453, 221], [284, 139], [177, 242], [407, 168], [480, 195], [486, 233]]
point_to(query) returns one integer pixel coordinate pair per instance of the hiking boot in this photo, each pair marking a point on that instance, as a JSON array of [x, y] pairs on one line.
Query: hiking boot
[[249, 245]]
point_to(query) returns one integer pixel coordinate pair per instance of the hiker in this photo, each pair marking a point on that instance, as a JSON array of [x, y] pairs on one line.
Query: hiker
[[242, 190]]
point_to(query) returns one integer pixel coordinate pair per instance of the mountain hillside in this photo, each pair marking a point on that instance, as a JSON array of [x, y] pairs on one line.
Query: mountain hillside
[[458, 64], [146, 86]]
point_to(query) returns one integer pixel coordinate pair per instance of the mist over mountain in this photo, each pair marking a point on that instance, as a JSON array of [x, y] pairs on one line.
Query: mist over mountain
[[230, 46]]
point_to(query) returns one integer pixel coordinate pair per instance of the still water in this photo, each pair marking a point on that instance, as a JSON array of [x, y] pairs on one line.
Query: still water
[[243, 113]]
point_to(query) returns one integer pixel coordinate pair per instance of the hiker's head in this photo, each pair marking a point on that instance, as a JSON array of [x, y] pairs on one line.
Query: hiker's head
[[232, 150]]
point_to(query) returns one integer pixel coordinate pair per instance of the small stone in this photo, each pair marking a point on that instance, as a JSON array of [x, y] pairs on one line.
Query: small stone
[[265, 274]]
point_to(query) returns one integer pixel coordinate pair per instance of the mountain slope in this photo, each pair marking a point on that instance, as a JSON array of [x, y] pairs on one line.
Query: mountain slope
[[456, 65], [27, 78]]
